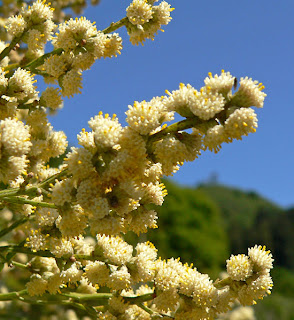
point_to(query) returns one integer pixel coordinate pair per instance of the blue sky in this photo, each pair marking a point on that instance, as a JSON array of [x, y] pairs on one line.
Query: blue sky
[[247, 38]]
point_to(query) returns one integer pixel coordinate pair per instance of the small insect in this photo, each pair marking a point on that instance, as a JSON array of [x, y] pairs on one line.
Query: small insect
[[235, 83]]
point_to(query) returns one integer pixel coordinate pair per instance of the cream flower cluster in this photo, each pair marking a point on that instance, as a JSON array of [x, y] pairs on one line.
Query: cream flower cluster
[[254, 270], [15, 144], [115, 175], [82, 44], [144, 117], [175, 288], [36, 22], [145, 19]]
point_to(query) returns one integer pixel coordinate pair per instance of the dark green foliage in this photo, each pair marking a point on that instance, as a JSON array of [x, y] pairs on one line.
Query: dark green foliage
[[250, 219]]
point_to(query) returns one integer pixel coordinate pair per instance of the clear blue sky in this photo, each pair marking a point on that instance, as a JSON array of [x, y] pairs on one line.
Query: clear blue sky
[[248, 38]]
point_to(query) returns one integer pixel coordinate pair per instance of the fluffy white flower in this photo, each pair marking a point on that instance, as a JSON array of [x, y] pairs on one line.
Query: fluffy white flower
[[240, 123], [114, 248], [260, 257], [239, 267], [249, 94]]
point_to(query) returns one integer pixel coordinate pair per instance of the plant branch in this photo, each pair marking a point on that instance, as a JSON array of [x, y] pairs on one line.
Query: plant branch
[[14, 225], [12, 44], [21, 200], [39, 61], [116, 25], [21, 249]]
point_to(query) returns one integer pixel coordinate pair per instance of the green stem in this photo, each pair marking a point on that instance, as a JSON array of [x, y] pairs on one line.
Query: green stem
[[139, 299], [99, 299], [11, 66], [51, 299], [116, 25], [21, 200], [19, 265], [39, 61], [16, 295], [14, 225], [51, 179], [12, 44], [18, 191], [219, 284], [176, 127], [145, 308], [20, 249], [32, 191]]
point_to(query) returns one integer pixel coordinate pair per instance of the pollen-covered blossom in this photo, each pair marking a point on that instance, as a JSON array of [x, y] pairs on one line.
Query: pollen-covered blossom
[[74, 33], [139, 12], [222, 84], [106, 130], [3, 81], [55, 65], [154, 193], [71, 83], [16, 25], [145, 20], [114, 249], [239, 267], [89, 196], [38, 122], [8, 107], [175, 149], [83, 44], [36, 20], [261, 258], [146, 254], [131, 158], [38, 13], [46, 216], [119, 278], [15, 144], [79, 163], [61, 192], [51, 98], [73, 273], [214, 137], [180, 100], [240, 123], [20, 85], [187, 101], [254, 290], [109, 225], [97, 272], [86, 139], [60, 247], [144, 116], [112, 45], [14, 138], [142, 219], [37, 285], [72, 221], [249, 94], [255, 270], [53, 144]]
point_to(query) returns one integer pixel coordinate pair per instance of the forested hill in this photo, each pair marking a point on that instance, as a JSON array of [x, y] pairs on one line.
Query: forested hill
[[250, 219]]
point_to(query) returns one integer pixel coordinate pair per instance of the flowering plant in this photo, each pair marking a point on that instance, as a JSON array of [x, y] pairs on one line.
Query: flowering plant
[[106, 187]]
